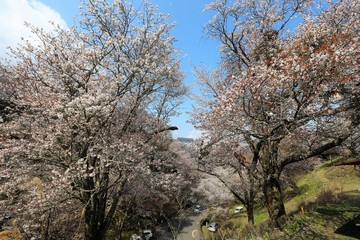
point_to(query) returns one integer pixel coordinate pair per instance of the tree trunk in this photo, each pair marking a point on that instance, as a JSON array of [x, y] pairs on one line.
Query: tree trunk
[[96, 224], [274, 199], [98, 217], [248, 201], [93, 228], [250, 212], [250, 198]]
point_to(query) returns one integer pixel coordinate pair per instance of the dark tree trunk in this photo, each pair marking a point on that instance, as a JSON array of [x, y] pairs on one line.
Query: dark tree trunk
[[250, 198], [98, 219], [274, 200], [248, 201], [250, 212], [98, 213], [94, 220]]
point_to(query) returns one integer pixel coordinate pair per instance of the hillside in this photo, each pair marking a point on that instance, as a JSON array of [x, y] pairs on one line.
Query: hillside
[[330, 198], [326, 207]]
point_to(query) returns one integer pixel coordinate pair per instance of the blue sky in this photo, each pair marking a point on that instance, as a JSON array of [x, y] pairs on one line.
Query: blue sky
[[187, 14]]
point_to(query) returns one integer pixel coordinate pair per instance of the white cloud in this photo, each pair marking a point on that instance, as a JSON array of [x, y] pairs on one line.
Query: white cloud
[[13, 14]]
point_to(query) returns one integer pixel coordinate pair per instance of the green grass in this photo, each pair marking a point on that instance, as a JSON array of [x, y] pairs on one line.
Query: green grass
[[309, 187], [330, 162], [261, 215], [322, 220], [330, 196]]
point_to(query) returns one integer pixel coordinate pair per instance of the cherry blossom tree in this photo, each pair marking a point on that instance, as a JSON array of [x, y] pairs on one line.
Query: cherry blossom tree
[[223, 155], [173, 182], [288, 97], [231, 164], [89, 101], [162, 196]]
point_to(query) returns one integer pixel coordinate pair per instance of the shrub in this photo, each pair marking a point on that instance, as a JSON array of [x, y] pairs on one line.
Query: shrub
[[327, 196]]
